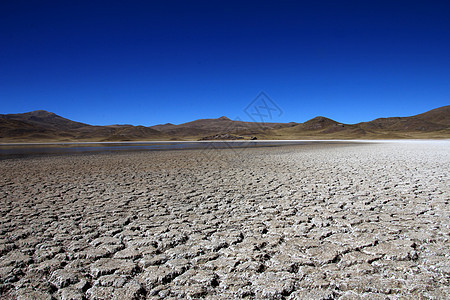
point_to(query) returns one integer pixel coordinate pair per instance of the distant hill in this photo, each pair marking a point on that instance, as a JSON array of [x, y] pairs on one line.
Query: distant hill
[[433, 120], [432, 124], [318, 123], [43, 126], [220, 125], [45, 119]]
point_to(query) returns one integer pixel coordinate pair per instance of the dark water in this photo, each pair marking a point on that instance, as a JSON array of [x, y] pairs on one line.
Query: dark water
[[25, 150]]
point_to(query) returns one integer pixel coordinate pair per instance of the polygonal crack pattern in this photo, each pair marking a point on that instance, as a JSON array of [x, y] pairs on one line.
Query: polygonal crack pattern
[[345, 221]]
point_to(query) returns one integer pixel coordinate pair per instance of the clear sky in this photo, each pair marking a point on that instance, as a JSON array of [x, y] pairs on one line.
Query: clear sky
[[151, 62]]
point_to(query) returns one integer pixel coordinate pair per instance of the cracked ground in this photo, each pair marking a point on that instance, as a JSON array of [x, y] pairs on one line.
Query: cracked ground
[[340, 221]]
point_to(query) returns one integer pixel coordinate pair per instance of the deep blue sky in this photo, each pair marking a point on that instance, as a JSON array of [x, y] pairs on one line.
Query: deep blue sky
[[150, 62]]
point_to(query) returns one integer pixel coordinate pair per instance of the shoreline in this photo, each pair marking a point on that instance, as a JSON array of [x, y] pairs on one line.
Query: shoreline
[[31, 150], [228, 141]]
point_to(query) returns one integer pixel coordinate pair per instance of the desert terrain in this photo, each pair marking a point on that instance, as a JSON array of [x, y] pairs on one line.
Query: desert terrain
[[318, 221], [43, 126]]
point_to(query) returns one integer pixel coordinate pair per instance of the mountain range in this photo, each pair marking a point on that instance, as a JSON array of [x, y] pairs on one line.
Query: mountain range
[[44, 126]]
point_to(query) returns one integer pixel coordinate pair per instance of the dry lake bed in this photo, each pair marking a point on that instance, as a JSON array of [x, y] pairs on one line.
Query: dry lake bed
[[311, 221]]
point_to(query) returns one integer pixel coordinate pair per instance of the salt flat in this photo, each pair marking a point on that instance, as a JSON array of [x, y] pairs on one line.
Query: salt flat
[[320, 221]]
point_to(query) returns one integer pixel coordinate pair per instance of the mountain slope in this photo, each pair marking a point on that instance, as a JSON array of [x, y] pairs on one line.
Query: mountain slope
[[431, 124], [433, 120], [439, 115], [46, 126], [45, 119], [220, 125], [11, 128]]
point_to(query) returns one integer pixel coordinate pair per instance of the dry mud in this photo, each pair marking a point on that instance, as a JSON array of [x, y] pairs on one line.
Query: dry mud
[[363, 221]]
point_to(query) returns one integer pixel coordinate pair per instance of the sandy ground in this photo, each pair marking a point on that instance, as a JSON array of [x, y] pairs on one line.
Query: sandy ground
[[356, 221]]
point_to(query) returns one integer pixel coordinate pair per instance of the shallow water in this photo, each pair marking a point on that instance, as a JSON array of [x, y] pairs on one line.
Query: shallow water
[[24, 150]]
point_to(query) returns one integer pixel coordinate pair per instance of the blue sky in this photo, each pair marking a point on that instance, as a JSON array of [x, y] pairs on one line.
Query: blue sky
[[152, 62]]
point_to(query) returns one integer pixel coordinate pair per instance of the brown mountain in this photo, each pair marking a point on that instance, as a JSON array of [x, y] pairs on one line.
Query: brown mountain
[[433, 120], [41, 125], [12, 129], [317, 128], [46, 126], [439, 115], [222, 125], [45, 119], [432, 124], [318, 123]]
